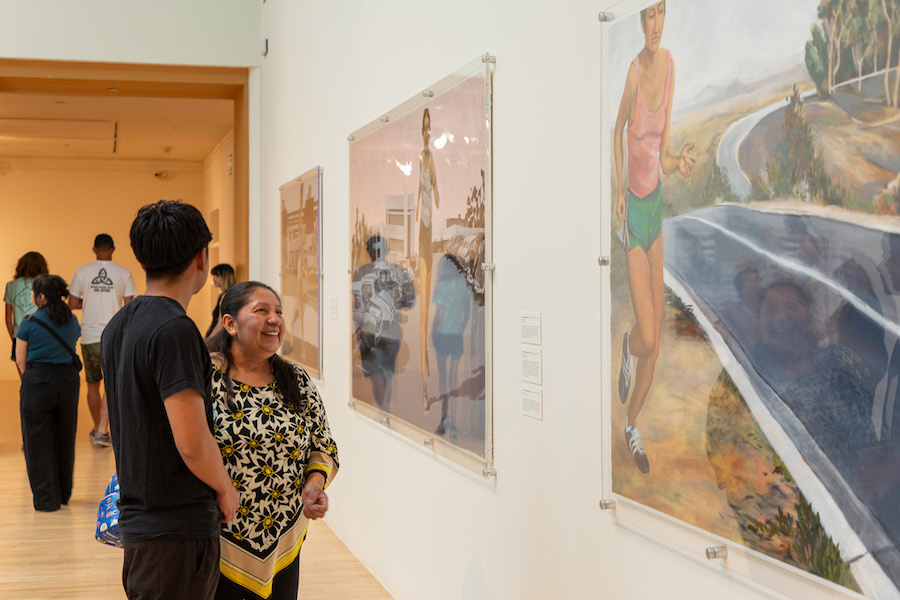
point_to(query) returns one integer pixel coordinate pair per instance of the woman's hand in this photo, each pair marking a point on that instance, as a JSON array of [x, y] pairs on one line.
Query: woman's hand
[[620, 205], [686, 160], [315, 501]]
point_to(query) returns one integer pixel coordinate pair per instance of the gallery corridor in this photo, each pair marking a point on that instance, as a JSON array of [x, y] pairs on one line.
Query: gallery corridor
[[47, 556]]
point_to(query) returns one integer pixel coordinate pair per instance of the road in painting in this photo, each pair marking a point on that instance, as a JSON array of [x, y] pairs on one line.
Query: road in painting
[[417, 219], [755, 286]]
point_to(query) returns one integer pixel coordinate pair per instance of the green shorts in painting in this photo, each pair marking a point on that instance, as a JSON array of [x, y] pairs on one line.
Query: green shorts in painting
[[643, 219], [91, 354]]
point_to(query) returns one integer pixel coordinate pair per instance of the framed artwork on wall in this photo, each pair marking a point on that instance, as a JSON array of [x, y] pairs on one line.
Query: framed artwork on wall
[[420, 191], [753, 343], [301, 270]]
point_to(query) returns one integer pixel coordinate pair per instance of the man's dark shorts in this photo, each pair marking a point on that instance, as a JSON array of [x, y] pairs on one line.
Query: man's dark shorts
[[166, 569], [92, 371]]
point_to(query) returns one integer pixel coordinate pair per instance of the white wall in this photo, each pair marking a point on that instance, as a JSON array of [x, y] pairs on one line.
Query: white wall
[[176, 32], [423, 527]]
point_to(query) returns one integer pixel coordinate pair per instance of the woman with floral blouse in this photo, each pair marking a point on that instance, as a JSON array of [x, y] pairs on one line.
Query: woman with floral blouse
[[276, 444]]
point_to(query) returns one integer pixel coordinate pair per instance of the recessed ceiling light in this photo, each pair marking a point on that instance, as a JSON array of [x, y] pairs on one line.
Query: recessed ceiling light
[[113, 89], [59, 102]]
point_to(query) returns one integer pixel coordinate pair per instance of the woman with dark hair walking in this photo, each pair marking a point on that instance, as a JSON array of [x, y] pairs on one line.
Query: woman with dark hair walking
[[223, 278], [276, 444], [48, 398], [18, 293]]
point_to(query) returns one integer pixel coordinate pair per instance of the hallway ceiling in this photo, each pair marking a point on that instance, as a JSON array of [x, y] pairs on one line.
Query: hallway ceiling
[[111, 127]]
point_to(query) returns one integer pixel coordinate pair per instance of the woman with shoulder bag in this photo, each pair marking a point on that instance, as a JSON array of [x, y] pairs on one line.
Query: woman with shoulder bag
[[45, 356]]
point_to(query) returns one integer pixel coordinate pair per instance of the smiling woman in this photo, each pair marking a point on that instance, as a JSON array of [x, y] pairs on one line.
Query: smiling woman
[[276, 444]]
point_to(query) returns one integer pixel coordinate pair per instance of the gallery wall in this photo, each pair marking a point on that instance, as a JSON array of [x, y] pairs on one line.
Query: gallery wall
[[424, 527], [56, 207], [218, 203], [200, 32]]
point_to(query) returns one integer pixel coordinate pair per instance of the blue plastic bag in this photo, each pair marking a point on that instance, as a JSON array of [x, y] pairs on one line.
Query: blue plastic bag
[[108, 516]]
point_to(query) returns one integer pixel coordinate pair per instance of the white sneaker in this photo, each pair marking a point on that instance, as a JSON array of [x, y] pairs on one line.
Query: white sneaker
[[636, 446]]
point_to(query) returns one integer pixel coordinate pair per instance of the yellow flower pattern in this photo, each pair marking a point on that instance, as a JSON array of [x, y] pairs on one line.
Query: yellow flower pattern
[[266, 448]]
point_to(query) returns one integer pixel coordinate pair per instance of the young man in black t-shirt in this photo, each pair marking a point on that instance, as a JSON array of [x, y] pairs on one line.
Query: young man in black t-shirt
[[174, 489]]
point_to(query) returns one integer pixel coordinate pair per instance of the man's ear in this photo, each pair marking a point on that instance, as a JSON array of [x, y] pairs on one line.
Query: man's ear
[[201, 258]]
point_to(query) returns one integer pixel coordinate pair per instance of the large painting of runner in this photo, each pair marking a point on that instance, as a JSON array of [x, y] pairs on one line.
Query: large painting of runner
[[418, 205], [755, 280], [301, 265]]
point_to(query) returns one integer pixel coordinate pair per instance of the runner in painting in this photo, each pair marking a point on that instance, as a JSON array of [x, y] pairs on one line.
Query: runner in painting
[[428, 194], [646, 108]]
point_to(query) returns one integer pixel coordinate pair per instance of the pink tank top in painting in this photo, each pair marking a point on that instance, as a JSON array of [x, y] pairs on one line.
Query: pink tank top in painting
[[644, 138]]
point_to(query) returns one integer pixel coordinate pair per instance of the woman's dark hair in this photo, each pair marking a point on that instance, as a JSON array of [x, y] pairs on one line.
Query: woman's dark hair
[[31, 265], [54, 289], [233, 300], [790, 286], [226, 273], [166, 237]]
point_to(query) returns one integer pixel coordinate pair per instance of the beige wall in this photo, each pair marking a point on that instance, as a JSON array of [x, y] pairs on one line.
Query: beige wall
[[218, 200], [56, 207]]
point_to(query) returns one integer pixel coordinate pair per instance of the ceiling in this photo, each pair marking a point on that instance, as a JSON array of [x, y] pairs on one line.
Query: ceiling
[[109, 126]]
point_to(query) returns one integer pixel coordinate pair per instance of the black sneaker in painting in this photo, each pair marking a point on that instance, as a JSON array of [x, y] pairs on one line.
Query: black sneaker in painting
[[625, 370]]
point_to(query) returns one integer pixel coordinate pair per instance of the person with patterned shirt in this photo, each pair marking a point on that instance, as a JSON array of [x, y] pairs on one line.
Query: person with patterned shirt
[[275, 440]]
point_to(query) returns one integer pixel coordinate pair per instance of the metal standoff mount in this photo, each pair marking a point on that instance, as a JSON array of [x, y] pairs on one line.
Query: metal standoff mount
[[350, 138], [603, 261], [607, 504], [385, 421], [487, 58], [384, 118], [488, 266], [714, 552], [350, 403], [606, 17], [428, 94], [428, 441], [489, 472]]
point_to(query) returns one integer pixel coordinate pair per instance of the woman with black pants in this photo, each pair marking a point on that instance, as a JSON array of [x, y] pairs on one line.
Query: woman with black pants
[[49, 393]]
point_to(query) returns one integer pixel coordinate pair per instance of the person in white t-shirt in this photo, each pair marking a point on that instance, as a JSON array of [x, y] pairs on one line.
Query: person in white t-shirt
[[100, 288]]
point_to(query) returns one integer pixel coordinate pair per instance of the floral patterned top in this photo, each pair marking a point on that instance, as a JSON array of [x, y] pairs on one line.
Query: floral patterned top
[[268, 450]]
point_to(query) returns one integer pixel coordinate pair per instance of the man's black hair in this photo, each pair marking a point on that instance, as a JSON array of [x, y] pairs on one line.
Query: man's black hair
[[166, 236], [104, 240], [372, 245]]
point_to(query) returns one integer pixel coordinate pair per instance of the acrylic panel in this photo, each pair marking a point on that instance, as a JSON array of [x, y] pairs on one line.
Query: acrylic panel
[[755, 279], [301, 268], [419, 187]]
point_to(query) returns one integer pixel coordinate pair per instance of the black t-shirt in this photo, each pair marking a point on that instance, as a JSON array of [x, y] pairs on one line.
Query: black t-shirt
[[151, 350]]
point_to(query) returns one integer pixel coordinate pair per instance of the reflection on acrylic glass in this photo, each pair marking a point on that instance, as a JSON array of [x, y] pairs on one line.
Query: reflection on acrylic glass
[[777, 343], [380, 290], [452, 299], [417, 251], [825, 385]]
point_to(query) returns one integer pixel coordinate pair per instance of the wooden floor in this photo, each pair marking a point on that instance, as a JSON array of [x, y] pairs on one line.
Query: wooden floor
[[54, 555]]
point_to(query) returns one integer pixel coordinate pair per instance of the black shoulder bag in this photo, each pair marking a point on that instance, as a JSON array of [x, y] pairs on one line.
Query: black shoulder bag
[[76, 360]]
